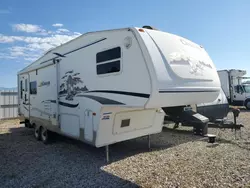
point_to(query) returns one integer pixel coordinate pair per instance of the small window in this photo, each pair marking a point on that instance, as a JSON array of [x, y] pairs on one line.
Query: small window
[[125, 123], [26, 85], [108, 61], [21, 89], [108, 67], [238, 89], [108, 55], [33, 88]]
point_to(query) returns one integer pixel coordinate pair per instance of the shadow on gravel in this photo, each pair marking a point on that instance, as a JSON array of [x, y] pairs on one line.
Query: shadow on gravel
[[118, 151], [25, 162], [242, 145]]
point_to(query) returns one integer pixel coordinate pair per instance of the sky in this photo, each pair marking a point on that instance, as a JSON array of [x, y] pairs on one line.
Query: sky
[[28, 28]]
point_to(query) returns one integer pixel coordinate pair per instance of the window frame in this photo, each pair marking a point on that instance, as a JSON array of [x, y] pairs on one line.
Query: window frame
[[31, 92], [109, 61]]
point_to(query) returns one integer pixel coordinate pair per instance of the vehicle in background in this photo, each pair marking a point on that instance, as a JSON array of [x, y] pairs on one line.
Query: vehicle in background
[[237, 92]]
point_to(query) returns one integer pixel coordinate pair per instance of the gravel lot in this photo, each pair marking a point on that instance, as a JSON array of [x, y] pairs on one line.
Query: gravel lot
[[177, 159]]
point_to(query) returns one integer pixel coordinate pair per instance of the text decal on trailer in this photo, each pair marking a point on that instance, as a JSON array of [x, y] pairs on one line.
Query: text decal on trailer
[[106, 115], [44, 83]]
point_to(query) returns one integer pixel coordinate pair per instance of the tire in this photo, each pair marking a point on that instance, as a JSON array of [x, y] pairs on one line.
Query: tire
[[247, 104], [37, 132], [45, 135], [26, 123]]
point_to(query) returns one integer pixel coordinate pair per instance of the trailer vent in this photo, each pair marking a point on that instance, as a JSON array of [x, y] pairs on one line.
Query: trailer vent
[[149, 27], [125, 123]]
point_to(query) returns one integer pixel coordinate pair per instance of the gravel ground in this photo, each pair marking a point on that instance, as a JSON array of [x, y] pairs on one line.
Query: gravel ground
[[177, 159]]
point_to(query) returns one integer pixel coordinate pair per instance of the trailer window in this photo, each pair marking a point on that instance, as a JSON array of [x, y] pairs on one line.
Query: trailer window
[[33, 88], [21, 89], [108, 61], [108, 55], [108, 67]]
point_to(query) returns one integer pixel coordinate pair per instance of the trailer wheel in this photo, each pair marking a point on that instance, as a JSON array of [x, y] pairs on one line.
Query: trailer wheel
[[247, 104], [37, 132], [45, 135], [27, 123]]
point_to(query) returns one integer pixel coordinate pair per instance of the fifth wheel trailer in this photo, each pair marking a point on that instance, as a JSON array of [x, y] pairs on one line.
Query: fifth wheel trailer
[[109, 86], [237, 92]]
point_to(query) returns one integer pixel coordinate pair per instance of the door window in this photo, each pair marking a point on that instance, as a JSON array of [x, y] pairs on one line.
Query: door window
[[238, 89], [33, 88]]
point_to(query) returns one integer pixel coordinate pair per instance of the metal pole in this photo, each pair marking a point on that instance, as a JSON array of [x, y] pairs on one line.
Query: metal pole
[[107, 153], [56, 62], [149, 144], [235, 133]]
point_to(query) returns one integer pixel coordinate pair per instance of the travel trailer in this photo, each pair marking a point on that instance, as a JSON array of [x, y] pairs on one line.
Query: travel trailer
[[237, 92], [109, 86]]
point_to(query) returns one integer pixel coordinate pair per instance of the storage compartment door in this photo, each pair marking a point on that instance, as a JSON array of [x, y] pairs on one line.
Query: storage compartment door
[[133, 120]]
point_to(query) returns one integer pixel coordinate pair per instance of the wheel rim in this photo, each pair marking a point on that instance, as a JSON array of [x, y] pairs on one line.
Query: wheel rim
[[44, 134], [37, 132]]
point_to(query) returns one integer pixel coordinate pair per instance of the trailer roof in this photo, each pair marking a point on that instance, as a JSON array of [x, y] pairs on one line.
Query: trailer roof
[[26, 69]]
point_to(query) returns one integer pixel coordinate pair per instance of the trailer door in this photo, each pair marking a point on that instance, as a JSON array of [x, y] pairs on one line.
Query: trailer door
[[24, 95]]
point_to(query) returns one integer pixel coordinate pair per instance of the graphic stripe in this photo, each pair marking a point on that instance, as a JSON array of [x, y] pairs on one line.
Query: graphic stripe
[[101, 100], [143, 95], [75, 50], [63, 103], [190, 91], [85, 46]]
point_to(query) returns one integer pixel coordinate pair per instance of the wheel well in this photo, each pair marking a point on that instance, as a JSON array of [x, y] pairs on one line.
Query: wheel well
[[245, 104], [246, 101]]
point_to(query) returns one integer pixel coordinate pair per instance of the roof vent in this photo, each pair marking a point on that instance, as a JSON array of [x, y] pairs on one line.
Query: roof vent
[[149, 27]]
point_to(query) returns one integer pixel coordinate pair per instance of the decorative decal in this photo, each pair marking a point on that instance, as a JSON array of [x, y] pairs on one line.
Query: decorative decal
[[197, 66], [105, 117], [71, 85], [106, 113], [44, 83], [62, 103]]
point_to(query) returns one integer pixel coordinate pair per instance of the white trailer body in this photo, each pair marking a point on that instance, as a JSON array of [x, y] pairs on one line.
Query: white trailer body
[[109, 86], [235, 90]]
